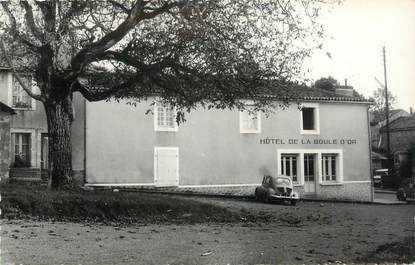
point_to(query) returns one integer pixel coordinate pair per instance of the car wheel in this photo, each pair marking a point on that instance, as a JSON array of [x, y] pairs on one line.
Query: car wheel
[[266, 198], [401, 195], [257, 198], [293, 202]]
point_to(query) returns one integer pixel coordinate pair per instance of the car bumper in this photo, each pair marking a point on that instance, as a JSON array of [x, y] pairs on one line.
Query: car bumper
[[280, 197]]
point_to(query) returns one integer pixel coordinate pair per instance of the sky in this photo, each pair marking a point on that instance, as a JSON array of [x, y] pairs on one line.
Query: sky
[[356, 31]]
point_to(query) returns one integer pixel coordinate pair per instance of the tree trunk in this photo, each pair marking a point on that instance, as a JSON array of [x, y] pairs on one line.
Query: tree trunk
[[59, 118]]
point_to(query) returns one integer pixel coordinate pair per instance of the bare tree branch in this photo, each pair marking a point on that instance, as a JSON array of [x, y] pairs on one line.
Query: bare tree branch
[[17, 75], [76, 8], [86, 55], [14, 29], [102, 94], [120, 6], [30, 21]]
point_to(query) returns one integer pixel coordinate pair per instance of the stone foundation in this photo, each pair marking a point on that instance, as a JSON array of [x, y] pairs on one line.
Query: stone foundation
[[346, 192]]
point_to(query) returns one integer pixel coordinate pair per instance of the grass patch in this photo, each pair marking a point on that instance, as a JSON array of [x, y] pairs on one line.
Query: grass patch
[[107, 206], [402, 251]]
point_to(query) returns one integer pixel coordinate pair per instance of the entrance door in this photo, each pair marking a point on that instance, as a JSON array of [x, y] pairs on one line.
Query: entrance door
[[309, 173], [166, 163]]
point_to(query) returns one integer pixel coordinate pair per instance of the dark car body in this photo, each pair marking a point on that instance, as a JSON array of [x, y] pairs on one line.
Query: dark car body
[[383, 178], [276, 188], [406, 189]]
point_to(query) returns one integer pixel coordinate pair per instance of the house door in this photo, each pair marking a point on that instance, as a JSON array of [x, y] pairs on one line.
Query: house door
[[166, 166], [309, 173]]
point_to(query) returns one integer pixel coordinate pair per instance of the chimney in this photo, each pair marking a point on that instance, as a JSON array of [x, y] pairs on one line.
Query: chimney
[[344, 91], [410, 110]]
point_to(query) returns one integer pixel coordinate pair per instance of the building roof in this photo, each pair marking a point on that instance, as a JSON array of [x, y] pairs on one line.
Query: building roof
[[6, 109], [303, 92], [401, 124], [282, 91]]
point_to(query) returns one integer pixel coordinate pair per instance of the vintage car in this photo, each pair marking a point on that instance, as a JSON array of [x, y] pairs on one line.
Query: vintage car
[[406, 189], [382, 178], [279, 188]]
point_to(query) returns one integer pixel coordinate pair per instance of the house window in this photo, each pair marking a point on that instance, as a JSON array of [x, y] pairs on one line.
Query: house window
[[310, 119], [249, 122], [328, 167], [289, 166], [22, 149], [21, 100], [165, 118]]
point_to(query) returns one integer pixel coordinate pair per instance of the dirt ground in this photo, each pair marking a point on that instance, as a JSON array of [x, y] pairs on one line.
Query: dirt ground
[[311, 232]]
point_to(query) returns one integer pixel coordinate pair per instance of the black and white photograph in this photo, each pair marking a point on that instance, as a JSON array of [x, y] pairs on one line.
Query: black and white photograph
[[207, 132]]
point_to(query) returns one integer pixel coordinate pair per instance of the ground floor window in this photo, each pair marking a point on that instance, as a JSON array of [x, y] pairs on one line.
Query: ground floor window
[[311, 166], [328, 167], [21, 149], [289, 166]]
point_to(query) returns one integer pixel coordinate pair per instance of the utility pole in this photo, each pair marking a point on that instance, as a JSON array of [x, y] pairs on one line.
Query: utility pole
[[388, 147]]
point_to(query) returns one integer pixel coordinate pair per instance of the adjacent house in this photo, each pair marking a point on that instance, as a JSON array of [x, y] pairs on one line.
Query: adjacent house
[[378, 120], [402, 133], [323, 146], [28, 136], [5, 113]]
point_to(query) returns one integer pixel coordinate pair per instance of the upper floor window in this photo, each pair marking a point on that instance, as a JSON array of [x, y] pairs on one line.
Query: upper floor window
[[249, 121], [309, 119], [165, 118], [20, 99]]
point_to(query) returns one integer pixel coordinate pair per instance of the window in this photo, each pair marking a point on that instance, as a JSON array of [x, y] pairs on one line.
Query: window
[[310, 119], [165, 118], [308, 167], [22, 149], [20, 99], [289, 166], [328, 167], [249, 122]]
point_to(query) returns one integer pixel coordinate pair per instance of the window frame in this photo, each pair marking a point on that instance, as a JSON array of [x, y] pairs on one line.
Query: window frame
[[11, 81], [316, 117], [318, 164], [283, 158], [32, 146], [242, 113], [329, 166], [159, 128]]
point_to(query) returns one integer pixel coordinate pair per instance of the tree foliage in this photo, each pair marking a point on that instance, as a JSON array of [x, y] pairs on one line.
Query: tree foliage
[[327, 83], [379, 103], [187, 52]]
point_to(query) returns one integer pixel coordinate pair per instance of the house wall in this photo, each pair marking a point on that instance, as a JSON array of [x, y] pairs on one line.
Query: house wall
[[78, 138], [400, 140], [34, 121], [4, 145], [213, 154]]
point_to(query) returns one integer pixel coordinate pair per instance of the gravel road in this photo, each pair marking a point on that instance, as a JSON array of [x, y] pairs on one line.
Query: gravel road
[[311, 232]]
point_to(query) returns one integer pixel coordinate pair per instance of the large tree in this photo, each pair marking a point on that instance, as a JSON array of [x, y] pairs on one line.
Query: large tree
[[378, 107], [189, 53]]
